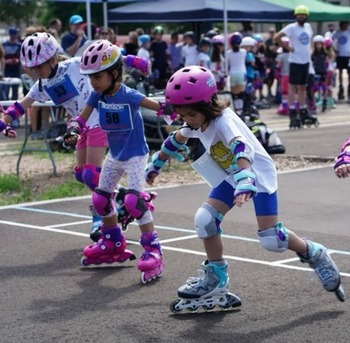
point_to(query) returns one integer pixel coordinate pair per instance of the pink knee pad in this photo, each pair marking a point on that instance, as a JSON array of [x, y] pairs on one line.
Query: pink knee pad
[[135, 203], [91, 175], [102, 202], [78, 173]]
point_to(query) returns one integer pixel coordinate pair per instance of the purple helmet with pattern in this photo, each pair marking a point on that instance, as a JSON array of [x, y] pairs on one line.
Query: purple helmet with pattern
[[190, 85], [218, 39], [99, 56], [38, 49]]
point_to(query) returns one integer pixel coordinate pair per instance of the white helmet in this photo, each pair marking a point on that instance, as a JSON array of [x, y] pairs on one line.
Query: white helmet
[[248, 41], [318, 39]]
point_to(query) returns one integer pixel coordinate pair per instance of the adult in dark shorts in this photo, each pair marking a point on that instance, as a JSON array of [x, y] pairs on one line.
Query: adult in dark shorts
[[299, 34], [341, 44]]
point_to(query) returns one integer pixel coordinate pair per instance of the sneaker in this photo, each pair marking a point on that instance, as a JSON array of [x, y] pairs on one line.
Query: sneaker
[[321, 262]]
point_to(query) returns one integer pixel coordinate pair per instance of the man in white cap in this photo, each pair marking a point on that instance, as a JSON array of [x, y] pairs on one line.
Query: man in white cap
[[75, 38]]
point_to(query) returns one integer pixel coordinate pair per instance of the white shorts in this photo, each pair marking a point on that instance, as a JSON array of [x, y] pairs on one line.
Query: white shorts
[[238, 79]]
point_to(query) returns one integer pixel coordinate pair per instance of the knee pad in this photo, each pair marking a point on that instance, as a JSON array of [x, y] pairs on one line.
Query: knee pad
[[91, 175], [238, 101], [274, 239], [207, 221], [78, 173], [136, 203], [102, 202]]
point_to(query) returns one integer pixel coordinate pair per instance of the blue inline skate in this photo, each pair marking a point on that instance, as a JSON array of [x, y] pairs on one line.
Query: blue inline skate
[[208, 290]]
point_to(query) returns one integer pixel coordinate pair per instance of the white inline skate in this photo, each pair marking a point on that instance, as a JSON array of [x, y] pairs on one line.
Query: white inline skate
[[325, 268], [208, 290]]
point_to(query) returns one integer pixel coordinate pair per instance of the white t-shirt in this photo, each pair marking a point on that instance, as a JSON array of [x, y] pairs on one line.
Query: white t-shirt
[[144, 53], [300, 40], [67, 88], [342, 43], [190, 55], [236, 61], [204, 59], [216, 139]]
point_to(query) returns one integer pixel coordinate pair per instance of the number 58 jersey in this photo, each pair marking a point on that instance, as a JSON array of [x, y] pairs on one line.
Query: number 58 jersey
[[67, 88]]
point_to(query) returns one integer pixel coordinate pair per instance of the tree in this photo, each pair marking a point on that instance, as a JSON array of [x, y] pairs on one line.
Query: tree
[[19, 11]]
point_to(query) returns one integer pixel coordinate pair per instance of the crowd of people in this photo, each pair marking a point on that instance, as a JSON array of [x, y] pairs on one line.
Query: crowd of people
[[105, 113]]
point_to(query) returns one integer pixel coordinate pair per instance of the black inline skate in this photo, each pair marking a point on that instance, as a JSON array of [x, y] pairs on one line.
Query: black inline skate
[[341, 93], [307, 119], [294, 118], [324, 105]]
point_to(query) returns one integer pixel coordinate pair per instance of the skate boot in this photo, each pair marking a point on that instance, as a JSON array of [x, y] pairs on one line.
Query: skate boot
[[151, 263], [110, 248], [294, 120], [283, 109], [207, 290], [124, 217], [341, 93], [95, 233], [327, 271], [324, 105], [308, 119]]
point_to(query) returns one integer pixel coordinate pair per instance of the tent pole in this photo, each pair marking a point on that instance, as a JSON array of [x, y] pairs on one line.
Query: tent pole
[[226, 38], [88, 18], [105, 20]]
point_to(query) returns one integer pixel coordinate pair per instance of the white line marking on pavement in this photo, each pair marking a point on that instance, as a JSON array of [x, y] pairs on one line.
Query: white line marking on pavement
[[188, 251]]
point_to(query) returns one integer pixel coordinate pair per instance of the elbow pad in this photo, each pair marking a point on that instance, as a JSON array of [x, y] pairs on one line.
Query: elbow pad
[[240, 149]]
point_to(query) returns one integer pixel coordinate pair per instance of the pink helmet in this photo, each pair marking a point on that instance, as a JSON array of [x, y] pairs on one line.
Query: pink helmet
[[38, 49], [285, 40], [328, 42], [218, 39], [190, 85], [99, 56]]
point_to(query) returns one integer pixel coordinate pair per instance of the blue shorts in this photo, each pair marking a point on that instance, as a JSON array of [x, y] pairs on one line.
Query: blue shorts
[[265, 204]]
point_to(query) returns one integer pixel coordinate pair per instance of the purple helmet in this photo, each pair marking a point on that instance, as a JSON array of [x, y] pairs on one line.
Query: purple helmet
[[190, 85], [99, 56], [218, 39], [235, 38], [38, 49]]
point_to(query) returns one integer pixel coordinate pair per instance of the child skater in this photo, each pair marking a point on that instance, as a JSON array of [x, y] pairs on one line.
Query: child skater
[[120, 117], [61, 82], [331, 72], [217, 58], [283, 68], [248, 172]]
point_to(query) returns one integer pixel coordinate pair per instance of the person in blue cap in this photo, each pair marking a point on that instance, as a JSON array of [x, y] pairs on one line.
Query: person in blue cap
[[75, 38]]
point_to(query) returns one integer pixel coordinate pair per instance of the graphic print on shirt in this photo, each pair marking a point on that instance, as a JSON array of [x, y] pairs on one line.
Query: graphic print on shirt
[[221, 155], [304, 38]]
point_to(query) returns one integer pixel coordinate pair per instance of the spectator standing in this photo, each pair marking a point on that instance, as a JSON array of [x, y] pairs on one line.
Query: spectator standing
[[218, 61], [55, 27], [270, 60], [158, 51], [174, 51], [12, 48], [189, 51], [331, 31], [342, 48], [75, 38], [299, 34], [204, 47], [132, 46]]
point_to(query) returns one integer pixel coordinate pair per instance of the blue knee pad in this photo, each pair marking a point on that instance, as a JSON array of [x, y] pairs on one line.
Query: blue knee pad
[[102, 202], [274, 239], [78, 173], [207, 221], [91, 175]]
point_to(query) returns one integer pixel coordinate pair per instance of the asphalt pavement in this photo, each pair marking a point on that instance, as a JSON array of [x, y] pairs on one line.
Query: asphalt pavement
[[46, 296]]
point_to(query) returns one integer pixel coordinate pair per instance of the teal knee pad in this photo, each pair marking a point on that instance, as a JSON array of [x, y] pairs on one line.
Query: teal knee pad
[[274, 239]]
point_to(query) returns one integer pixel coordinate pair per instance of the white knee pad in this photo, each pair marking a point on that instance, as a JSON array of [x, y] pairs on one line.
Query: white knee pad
[[274, 239], [207, 221]]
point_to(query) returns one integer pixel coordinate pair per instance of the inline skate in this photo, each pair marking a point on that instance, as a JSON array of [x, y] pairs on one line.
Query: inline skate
[[124, 217], [341, 93], [327, 271], [110, 248], [294, 119], [151, 263], [324, 104], [208, 290], [95, 233], [308, 119]]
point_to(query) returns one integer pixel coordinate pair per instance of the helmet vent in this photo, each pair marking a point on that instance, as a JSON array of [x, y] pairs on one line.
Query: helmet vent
[[192, 80], [177, 87], [94, 59]]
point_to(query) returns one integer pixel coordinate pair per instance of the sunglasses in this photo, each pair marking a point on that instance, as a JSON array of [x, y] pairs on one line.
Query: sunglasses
[[104, 33]]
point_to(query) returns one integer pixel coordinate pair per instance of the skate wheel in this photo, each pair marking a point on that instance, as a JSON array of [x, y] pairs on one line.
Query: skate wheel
[[143, 279], [84, 262], [173, 305], [340, 293], [209, 308], [193, 309]]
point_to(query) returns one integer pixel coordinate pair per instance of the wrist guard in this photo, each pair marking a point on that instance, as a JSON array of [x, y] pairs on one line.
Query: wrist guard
[[154, 167], [344, 155], [138, 63], [172, 148], [2, 126], [14, 111], [240, 150], [244, 180], [166, 110], [76, 126]]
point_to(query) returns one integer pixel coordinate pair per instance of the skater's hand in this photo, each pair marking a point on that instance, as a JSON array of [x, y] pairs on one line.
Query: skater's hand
[[10, 132], [242, 198], [343, 170], [245, 188]]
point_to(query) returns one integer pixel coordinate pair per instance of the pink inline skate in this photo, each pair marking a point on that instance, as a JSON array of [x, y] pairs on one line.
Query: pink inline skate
[[109, 249], [151, 262]]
